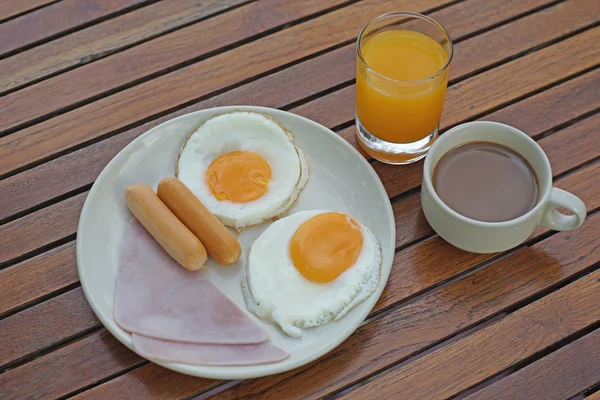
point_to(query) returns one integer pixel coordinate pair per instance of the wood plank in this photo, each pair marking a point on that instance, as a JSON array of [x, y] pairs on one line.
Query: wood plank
[[37, 277], [466, 95], [459, 365], [159, 54], [44, 325], [60, 220], [74, 366], [149, 382], [167, 91], [561, 143], [521, 76], [430, 319], [11, 8], [83, 166], [560, 375], [415, 270], [40, 228], [592, 175], [104, 38], [566, 149], [434, 261], [562, 17], [533, 115], [443, 262], [84, 83], [528, 272], [56, 18], [473, 54]]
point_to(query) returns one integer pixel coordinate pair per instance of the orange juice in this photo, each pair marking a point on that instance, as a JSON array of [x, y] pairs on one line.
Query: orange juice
[[397, 102]]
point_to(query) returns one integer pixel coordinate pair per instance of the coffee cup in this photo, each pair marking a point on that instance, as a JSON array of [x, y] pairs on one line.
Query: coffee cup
[[489, 237]]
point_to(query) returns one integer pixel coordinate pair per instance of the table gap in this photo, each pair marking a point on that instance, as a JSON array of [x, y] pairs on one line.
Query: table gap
[[527, 361], [20, 14], [507, 311], [77, 28], [457, 334], [266, 33]]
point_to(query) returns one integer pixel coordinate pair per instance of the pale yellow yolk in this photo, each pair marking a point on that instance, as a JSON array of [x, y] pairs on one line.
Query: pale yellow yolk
[[325, 246], [239, 176]]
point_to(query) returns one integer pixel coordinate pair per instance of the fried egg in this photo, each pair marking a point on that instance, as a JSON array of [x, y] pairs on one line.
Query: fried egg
[[311, 268], [244, 166]]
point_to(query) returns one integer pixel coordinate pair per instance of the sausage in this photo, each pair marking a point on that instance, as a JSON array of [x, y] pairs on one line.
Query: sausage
[[163, 225], [219, 242]]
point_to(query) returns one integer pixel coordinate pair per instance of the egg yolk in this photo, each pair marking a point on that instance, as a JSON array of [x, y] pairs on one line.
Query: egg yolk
[[239, 176], [325, 246]]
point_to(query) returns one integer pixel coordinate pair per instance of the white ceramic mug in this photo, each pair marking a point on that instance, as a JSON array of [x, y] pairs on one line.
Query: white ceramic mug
[[490, 237]]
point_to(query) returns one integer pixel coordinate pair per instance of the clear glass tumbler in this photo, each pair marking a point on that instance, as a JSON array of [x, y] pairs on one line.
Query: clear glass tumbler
[[402, 70]]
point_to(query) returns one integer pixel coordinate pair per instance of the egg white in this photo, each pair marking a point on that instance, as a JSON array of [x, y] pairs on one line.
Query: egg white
[[276, 291], [244, 131]]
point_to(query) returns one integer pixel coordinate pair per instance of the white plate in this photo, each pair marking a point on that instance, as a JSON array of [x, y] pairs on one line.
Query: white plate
[[340, 180]]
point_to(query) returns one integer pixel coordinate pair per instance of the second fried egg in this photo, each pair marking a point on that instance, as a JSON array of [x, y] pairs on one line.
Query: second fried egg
[[311, 268]]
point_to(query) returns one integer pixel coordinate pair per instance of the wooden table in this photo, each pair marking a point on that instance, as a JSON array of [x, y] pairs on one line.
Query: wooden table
[[80, 79]]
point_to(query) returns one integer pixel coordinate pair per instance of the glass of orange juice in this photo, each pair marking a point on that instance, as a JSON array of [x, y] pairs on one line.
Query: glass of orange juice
[[402, 68]]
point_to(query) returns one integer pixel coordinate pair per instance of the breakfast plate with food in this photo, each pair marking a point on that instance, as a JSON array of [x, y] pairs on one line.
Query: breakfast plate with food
[[235, 242]]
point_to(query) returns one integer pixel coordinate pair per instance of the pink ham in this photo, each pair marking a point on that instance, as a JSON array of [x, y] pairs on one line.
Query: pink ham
[[156, 297], [208, 354]]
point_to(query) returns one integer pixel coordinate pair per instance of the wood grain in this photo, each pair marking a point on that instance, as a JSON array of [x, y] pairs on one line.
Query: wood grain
[[60, 220], [509, 39], [415, 269], [28, 331], [507, 281], [81, 363], [190, 83], [83, 83], [580, 141], [566, 149], [473, 54], [82, 167], [438, 297], [158, 55], [149, 382], [11, 8], [560, 375], [104, 38], [459, 365], [467, 94], [56, 18], [521, 76], [442, 260], [434, 317], [40, 228], [37, 277]]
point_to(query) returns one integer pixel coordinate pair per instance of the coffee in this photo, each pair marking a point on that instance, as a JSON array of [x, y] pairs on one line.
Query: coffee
[[486, 182]]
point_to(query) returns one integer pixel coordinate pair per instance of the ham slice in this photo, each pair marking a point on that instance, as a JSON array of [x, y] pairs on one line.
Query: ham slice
[[208, 354], [158, 298]]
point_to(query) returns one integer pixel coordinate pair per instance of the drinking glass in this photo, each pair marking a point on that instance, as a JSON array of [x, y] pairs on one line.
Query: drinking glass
[[397, 120]]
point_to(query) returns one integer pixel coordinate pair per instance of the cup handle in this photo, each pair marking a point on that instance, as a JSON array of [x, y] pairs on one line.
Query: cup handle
[[554, 220]]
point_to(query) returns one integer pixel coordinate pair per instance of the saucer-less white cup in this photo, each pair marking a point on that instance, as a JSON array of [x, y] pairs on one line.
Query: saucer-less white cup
[[490, 237]]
